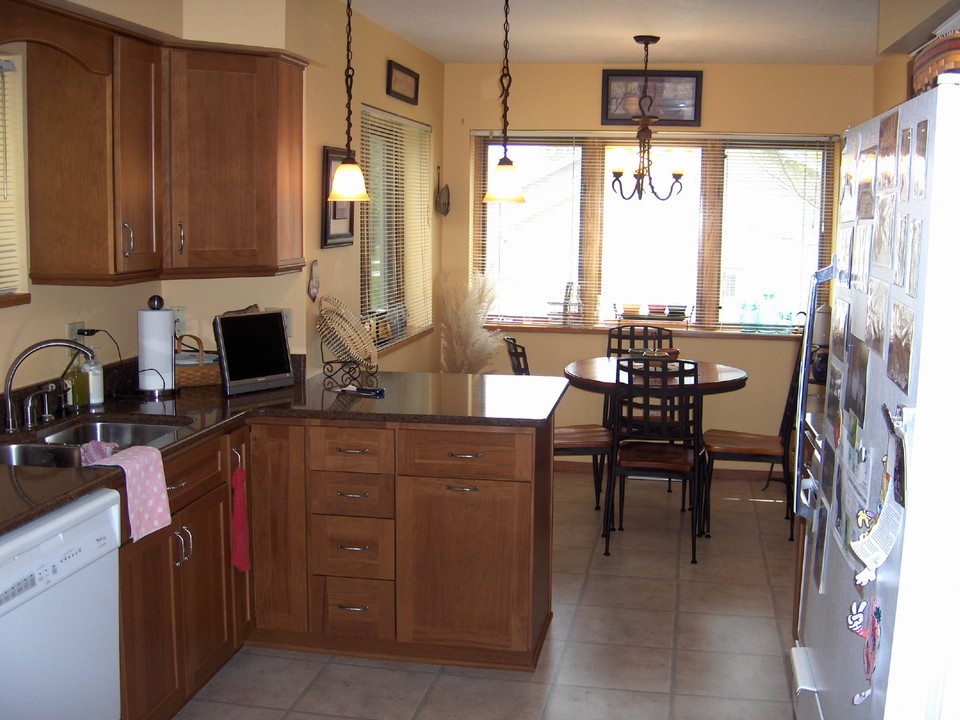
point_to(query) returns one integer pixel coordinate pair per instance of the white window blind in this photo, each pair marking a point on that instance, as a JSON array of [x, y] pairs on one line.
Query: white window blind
[[396, 269], [12, 205], [735, 248]]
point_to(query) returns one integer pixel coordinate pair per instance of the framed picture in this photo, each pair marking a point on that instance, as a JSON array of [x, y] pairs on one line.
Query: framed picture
[[675, 93], [403, 83], [337, 226]]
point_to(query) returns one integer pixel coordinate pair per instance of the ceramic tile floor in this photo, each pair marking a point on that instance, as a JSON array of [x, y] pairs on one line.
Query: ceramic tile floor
[[639, 635]]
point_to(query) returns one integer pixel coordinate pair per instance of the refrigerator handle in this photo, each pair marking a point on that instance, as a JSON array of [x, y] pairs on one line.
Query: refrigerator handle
[[800, 507]]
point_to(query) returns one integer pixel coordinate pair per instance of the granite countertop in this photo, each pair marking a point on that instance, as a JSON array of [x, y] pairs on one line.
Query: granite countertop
[[27, 493]]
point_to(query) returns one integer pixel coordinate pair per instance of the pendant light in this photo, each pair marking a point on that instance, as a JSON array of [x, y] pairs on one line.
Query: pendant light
[[641, 176], [504, 185], [348, 183]]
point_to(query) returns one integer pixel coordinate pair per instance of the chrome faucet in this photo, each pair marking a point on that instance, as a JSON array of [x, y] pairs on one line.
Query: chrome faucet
[[8, 384]]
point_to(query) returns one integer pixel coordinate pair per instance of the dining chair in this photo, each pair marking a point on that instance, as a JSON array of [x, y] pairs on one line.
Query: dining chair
[[623, 338], [656, 432], [591, 439], [752, 447]]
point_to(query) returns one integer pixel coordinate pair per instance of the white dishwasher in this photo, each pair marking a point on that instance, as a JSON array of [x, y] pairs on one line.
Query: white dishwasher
[[59, 613]]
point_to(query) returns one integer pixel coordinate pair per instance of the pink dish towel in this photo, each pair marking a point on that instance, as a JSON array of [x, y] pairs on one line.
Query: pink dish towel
[[239, 537], [147, 504]]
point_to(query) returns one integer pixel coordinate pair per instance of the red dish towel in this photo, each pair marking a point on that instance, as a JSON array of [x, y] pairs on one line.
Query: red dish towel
[[147, 504], [240, 540]]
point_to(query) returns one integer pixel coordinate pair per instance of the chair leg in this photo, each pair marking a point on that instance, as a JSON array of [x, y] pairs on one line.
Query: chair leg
[[705, 507], [608, 509], [623, 492], [683, 495], [788, 484], [694, 515], [770, 477], [598, 463]]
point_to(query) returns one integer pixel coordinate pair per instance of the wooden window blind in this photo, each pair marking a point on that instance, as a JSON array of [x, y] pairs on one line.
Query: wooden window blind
[[12, 181], [396, 269]]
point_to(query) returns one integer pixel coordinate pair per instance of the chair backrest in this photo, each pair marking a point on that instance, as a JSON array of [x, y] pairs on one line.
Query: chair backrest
[[788, 421], [622, 338], [657, 399], [518, 356]]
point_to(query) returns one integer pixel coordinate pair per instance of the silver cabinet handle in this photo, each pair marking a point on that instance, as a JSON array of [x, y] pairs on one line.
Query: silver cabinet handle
[[354, 608], [190, 538], [239, 457], [180, 224], [129, 251], [349, 451], [353, 496], [461, 488], [182, 483], [353, 548], [465, 456], [183, 549]]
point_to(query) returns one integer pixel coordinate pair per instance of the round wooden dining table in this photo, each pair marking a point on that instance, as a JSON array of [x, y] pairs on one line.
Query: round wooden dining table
[[599, 375]]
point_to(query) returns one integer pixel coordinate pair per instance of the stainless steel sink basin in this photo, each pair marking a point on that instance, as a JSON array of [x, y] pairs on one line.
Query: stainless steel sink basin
[[124, 434], [40, 455]]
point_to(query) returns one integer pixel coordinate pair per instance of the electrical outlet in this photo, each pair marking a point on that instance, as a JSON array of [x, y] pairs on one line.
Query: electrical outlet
[[71, 334], [179, 319], [287, 319]]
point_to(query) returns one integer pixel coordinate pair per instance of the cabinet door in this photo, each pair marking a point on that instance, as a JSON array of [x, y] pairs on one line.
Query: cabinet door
[[135, 118], [206, 587], [235, 454], [463, 562], [151, 675], [278, 497], [236, 145]]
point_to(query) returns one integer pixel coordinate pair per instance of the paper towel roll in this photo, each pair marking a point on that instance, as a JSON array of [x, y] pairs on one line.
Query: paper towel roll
[[156, 346]]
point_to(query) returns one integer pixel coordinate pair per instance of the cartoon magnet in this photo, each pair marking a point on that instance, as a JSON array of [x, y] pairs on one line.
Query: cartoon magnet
[[864, 620]]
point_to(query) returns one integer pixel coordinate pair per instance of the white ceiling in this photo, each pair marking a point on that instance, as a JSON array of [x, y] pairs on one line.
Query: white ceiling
[[694, 32]]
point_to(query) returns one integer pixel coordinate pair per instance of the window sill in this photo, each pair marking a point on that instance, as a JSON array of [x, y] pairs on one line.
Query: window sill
[[14, 299], [679, 329]]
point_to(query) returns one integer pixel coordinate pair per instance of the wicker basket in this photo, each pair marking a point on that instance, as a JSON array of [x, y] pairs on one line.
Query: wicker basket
[[199, 374]]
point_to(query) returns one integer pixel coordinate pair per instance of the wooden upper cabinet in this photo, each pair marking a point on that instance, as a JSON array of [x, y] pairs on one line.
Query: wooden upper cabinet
[[136, 114], [235, 148]]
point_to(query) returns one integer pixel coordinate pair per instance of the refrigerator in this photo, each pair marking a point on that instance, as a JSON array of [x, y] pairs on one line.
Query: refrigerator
[[878, 565]]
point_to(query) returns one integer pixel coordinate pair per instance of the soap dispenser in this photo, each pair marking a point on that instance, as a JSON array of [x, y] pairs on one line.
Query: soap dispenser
[[94, 373]]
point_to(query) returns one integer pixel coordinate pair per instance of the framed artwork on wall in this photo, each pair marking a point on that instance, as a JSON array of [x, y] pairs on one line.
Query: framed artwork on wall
[[337, 226], [676, 96], [403, 83]]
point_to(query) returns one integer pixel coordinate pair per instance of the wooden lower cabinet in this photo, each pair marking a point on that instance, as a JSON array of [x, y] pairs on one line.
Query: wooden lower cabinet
[[463, 562], [422, 541], [176, 595]]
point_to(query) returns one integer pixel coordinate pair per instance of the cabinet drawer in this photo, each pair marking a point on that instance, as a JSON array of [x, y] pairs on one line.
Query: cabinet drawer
[[353, 607], [351, 547], [192, 474], [357, 494], [350, 449], [494, 453]]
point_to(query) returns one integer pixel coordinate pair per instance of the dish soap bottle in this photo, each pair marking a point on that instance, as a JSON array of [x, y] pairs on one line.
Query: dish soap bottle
[[94, 372], [78, 382]]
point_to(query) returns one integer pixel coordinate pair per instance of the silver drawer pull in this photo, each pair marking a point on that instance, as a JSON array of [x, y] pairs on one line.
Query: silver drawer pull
[[351, 608], [461, 488], [348, 451], [353, 496], [353, 548], [182, 483], [465, 456]]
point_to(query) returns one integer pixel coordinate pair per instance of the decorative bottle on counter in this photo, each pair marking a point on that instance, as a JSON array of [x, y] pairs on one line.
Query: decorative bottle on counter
[[78, 381]]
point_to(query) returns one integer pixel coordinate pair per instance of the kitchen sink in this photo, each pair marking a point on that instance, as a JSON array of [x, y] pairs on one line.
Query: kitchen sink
[[124, 434], [40, 455]]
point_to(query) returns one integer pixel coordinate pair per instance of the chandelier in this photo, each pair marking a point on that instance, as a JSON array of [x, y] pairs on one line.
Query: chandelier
[[642, 180]]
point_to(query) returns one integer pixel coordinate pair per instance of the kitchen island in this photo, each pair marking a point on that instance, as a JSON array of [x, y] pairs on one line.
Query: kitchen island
[[415, 526]]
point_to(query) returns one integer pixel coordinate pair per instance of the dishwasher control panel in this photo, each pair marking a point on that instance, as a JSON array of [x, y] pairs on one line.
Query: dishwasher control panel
[[42, 553]]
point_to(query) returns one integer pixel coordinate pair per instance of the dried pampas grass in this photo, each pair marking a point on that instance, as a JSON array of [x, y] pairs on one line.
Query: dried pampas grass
[[465, 346]]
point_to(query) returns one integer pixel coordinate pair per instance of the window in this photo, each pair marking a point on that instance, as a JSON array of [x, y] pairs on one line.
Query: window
[[396, 269], [13, 280], [736, 247]]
